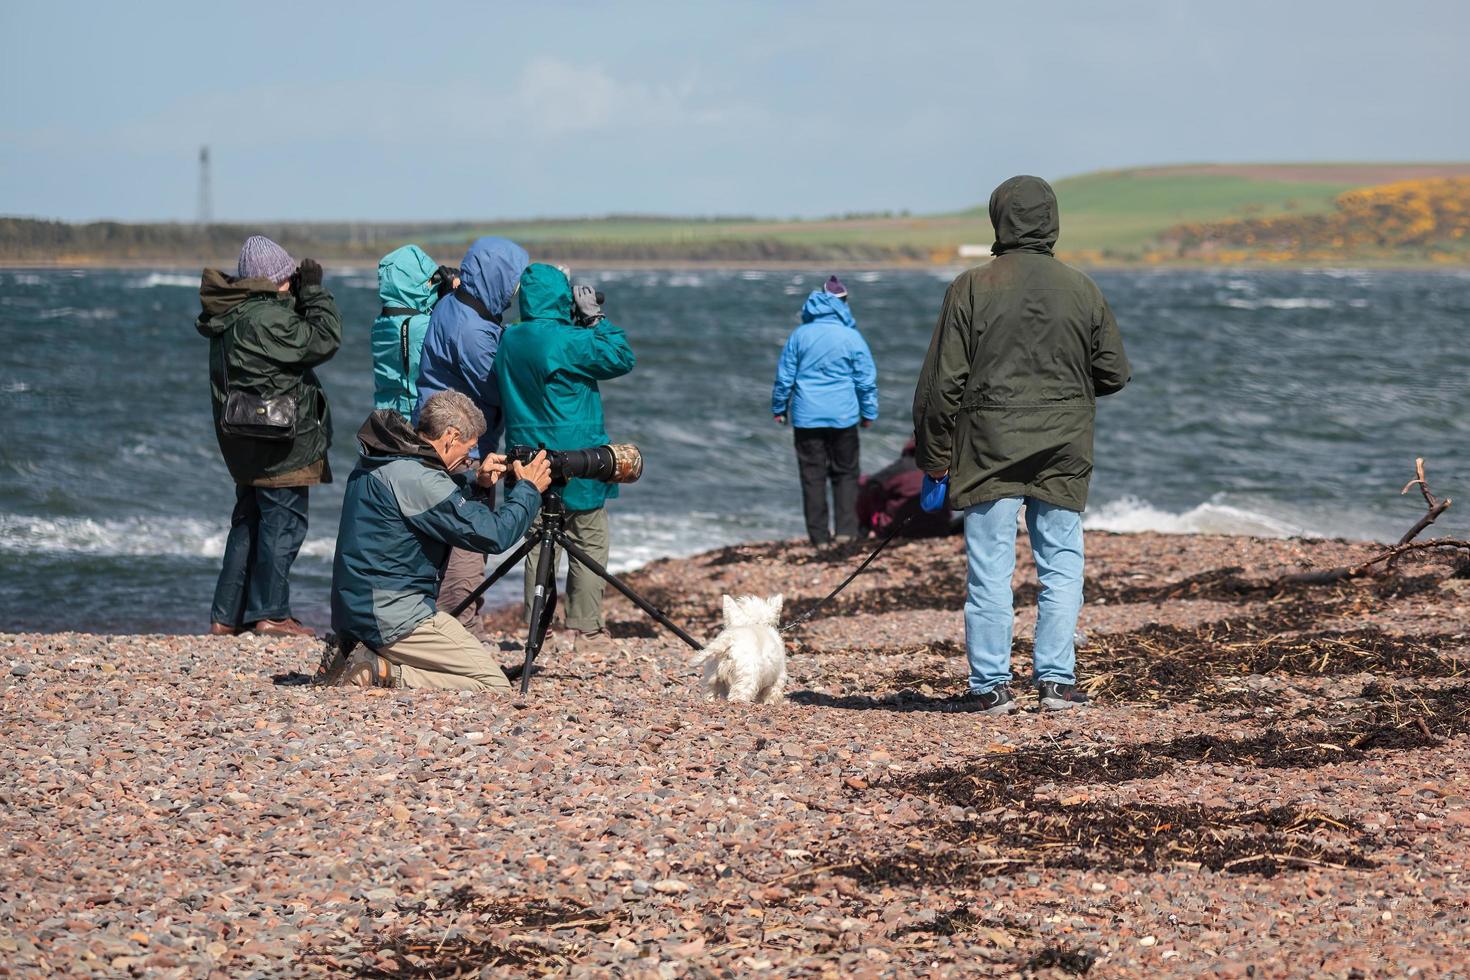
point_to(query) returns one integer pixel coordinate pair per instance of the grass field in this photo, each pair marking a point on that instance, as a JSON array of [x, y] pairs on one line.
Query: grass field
[[1113, 214]]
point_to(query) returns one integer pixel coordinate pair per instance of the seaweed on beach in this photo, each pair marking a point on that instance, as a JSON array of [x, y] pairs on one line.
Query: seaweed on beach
[[1393, 719], [1082, 835], [406, 953]]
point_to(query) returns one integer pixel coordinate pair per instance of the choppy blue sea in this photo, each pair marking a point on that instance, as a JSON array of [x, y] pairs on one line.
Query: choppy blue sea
[[1263, 402]]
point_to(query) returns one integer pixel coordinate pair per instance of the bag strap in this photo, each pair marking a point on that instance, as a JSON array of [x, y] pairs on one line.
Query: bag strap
[[391, 311], [403, 352], [473, 302]]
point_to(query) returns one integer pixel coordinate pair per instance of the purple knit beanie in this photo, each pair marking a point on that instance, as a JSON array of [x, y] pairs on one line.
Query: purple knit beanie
[[261, 258], [835, 287]]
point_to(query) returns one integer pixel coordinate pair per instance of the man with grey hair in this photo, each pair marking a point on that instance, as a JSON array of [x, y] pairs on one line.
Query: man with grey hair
[[402, 512]]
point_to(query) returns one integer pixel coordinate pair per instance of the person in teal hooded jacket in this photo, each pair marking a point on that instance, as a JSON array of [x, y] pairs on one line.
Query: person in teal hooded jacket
[[547, 370], [408, 287]]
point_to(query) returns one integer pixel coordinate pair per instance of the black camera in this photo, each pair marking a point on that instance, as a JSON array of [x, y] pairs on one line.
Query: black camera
[[605, 464], [443, 280]]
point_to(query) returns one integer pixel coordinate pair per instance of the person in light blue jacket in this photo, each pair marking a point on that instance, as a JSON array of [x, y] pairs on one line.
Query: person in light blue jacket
[[827, 385]]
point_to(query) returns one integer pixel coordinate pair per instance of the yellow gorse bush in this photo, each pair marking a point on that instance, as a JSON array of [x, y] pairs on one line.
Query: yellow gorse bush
[[1410, 215]]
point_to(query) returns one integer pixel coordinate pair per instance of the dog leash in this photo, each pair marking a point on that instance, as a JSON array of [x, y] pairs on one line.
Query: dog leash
[[848, 581]]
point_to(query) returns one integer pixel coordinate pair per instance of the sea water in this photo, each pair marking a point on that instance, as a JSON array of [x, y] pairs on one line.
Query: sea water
[[1270, 403]]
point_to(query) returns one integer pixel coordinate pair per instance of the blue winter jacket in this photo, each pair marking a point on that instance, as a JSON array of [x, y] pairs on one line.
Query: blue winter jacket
[[401, 514], [403, 284], [826, 378], [459, 349]]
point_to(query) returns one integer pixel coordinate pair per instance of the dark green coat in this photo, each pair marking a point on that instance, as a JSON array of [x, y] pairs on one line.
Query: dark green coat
[[1023, 348], [271, 341]]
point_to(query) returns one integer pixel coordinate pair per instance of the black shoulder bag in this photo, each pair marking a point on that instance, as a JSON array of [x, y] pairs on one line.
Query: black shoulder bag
[[251, 416]]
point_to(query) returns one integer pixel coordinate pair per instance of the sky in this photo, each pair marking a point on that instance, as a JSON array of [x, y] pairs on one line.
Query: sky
[[397, 111]]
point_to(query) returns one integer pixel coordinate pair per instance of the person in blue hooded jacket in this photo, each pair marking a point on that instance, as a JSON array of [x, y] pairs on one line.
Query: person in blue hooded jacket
[[408, 288], [459, 355], [827, 385]]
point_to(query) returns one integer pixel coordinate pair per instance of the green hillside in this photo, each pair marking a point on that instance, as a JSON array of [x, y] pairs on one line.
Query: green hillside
[[1114, 216]]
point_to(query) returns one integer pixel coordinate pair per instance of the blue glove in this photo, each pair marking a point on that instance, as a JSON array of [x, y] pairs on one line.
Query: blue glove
[[934, 493]]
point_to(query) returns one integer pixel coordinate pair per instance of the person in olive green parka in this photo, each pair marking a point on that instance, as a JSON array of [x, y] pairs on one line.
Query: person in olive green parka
[[265, 338], [548, 368], [1004, 407]]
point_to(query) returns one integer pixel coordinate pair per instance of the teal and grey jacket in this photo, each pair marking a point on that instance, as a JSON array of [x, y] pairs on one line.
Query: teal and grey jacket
[[400, 516]]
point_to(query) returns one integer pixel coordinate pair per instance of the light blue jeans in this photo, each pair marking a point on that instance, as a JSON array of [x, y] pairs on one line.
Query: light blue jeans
[[990, 542]]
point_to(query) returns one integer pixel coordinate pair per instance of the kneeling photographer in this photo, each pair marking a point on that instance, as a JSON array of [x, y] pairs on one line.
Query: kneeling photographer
[[401, 514], [548, 368]]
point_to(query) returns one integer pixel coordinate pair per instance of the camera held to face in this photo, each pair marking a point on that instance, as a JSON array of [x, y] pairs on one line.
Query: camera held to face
[[606, 464]]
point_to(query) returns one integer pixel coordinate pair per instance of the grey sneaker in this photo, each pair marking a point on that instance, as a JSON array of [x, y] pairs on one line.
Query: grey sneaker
[[996, 701], [364, 668], [1060, 697]]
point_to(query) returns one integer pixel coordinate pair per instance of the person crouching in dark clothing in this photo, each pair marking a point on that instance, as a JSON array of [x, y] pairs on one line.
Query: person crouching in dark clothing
[[890, 497], [402, 513]]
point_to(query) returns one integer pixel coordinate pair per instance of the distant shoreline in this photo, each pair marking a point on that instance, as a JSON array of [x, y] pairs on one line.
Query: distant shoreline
[[357, 264]]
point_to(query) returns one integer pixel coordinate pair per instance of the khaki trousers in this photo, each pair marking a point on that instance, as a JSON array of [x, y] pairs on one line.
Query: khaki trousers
[[441, 654], [583, 601]]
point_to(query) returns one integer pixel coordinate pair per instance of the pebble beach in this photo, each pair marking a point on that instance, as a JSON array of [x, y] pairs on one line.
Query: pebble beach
[[1273, 781]]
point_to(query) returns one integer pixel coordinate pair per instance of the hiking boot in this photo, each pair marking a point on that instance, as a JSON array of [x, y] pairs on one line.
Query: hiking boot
[[281, 627], [996, 701], [1060, 697], [220, 629], [362, 668], [598, 641]]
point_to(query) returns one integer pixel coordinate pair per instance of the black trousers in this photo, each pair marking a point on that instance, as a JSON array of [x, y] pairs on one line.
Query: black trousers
[[823, 455]]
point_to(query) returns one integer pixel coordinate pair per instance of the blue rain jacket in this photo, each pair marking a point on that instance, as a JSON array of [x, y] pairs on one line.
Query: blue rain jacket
[[826, 377], [460, 347], [400, 516], [403, 283]]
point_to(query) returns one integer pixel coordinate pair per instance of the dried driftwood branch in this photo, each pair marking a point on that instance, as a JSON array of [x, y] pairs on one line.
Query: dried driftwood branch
[[1389, 556], [1435, 507]]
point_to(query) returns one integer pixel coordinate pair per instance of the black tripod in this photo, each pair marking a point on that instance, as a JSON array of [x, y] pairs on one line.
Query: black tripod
[[547, 535]]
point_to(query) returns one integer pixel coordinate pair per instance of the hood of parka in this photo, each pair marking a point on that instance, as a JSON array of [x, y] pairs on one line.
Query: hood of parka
[[822, 304], [545, 294], [220, 293], [490, 271], [1023, 211], [403, 279], [387, 435]]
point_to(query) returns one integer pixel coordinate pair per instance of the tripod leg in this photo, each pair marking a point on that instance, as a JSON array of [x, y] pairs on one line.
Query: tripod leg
[[497, 575], [625, 589], [545, 596]]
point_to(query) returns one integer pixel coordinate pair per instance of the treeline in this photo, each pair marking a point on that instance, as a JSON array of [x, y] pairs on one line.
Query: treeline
[[31, 240], [1427, 218]]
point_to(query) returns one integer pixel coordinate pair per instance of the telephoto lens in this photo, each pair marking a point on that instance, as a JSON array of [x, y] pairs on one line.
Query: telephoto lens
[[621, 463]]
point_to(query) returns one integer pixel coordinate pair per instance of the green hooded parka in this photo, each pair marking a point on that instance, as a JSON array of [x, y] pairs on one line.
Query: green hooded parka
[[1023, 348], [269, 342], [548, 369]]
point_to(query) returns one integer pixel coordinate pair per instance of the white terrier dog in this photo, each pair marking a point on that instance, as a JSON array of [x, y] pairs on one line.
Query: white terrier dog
[[747, 661]]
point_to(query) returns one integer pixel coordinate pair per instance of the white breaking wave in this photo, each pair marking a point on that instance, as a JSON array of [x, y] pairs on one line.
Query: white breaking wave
[[126, 537], [166, 279], [1130, 515], [1288, 303]]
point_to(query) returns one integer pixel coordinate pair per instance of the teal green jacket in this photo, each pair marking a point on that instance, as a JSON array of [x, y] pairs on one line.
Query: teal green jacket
[[548, 369], [403, 284]]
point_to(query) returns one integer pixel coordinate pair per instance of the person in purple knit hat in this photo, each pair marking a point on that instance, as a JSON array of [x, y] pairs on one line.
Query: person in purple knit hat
[[268, 327]]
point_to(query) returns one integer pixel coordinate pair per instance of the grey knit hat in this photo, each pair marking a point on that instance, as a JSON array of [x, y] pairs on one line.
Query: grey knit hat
[[261, 258]]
